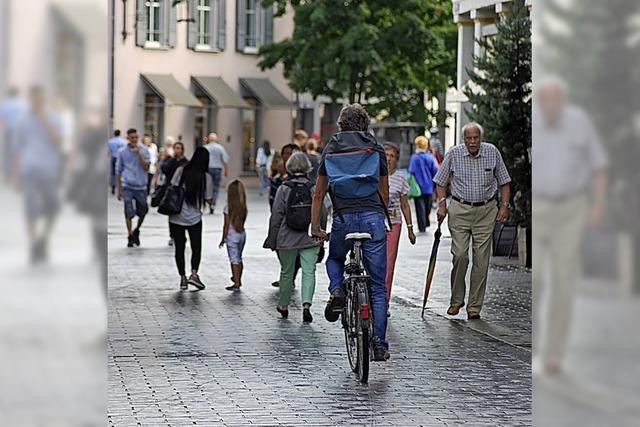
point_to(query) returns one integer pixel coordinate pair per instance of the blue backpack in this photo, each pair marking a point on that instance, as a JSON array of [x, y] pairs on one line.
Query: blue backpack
[[353, 174]]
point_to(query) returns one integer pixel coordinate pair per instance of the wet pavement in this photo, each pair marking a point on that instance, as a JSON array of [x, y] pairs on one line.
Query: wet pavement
[[216, 358]]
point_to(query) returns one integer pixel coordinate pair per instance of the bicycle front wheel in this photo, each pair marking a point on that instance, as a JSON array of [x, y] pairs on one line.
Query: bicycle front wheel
[[350, 331]]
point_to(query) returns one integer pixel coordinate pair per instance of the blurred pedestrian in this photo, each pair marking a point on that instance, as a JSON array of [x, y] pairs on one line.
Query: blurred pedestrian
[[167, 149], [264, 158], [314, 159], [422, 166], [476, 170], [436, 145], [398, 203], [168, 168], [147, 139], [12, 110], [218, 164], [300, 138], [570, 191], [115, 144], [289, 235], [233, 232], [320, 144], [195, 180], [41, 163], [131, 184]]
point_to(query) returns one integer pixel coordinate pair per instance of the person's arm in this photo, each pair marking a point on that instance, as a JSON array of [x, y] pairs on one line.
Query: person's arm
[[383, 188], [119, 170], [322, 184], [225, 161], [225, 230], [406, 212], [600, 181], [505, 196], [278, 213], [441, 194]]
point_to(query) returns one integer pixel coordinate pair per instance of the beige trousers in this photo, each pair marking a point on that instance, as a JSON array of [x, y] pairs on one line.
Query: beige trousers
[[556, 237], [475, 223]]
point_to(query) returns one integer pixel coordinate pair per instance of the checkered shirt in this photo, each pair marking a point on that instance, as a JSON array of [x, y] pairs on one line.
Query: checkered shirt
[[473, 179]]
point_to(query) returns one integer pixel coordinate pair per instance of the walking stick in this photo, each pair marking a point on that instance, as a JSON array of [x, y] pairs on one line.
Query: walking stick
[[432, 267]]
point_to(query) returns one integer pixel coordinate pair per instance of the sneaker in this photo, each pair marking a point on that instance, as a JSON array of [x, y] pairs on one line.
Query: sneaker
[[184, 283], [234, 287], [195, 281], [275, 284], [380, 352], [284, 312], [306, 316], [170, 242], [136, 237], [334, 305], [210, 210], [130, 241]]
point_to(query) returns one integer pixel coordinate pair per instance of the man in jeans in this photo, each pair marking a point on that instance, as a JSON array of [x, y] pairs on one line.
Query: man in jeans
[[131, 182], [356, 214], [218, 161], [114, 144]]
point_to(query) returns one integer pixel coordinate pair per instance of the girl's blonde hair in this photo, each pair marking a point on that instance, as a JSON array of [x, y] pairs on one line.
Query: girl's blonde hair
[[237, 204]]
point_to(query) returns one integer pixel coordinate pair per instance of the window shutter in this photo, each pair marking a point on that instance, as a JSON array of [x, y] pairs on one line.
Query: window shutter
[[240, 24], [141, 22], [171, 28], [268, 25], [192, 27], [222, 24]]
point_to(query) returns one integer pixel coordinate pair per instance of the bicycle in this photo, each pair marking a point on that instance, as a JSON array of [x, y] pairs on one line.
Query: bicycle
[[356, 313]]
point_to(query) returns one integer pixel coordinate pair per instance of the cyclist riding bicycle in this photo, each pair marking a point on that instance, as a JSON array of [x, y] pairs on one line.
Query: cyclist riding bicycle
[[353, 168]]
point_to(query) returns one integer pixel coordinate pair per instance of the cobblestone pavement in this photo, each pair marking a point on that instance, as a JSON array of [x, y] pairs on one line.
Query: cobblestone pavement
[[213, 358]]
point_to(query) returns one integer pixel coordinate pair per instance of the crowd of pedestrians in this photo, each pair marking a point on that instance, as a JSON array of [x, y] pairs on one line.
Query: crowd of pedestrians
[[352, 178]]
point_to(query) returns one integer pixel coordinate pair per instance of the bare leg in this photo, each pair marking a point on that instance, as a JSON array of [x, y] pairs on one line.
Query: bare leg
[[128, 221]]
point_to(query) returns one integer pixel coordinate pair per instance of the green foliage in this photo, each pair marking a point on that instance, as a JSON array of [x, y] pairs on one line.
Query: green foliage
[[500, 93], [384, 54]]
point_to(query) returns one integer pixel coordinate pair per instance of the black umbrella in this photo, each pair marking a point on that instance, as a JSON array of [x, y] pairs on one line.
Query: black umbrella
[[432, 267]]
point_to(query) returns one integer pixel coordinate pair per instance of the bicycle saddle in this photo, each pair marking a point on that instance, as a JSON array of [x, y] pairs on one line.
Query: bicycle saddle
[[357, 236]]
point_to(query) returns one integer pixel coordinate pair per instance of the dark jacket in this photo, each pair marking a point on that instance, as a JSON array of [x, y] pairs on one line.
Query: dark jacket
[[170, 165]]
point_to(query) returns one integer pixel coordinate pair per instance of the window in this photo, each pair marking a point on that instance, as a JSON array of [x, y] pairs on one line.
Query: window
[[155, 24], [251, 24], [207, 29], [254, 26]]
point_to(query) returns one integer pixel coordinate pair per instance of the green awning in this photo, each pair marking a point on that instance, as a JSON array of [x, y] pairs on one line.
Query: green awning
[[219, 92], [266, 93], [168, 88]]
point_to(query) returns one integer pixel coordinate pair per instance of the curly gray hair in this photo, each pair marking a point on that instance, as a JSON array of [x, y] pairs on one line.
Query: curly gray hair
[[298, 163], [353, 117]]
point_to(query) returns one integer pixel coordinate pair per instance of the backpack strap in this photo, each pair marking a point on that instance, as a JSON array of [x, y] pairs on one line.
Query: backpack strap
[[386, 210]]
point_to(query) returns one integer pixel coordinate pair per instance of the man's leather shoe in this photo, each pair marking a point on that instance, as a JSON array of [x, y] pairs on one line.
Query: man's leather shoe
[[473, 315], [454, 309]]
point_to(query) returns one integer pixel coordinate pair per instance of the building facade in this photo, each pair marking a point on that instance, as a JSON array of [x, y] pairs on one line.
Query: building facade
[[189, 69], [476, 19]]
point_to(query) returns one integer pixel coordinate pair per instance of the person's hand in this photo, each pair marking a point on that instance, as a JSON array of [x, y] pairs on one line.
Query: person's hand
[[503, 214], [319, 233], [412, 236], [119, 195], [596, 216], [222, 242], [442, 213]]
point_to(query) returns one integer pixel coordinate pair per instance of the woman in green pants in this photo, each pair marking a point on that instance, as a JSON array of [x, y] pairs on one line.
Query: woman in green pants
[[289, 235]]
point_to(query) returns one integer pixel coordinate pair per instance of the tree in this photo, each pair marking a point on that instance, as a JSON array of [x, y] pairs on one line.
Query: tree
[[500, 95], [383, 54]]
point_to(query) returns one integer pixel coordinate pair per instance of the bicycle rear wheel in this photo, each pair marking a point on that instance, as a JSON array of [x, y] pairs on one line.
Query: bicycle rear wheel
[[362, 330]]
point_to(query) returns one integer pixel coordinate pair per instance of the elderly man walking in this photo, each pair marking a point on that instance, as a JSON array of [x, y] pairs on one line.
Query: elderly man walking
[[476, 170]]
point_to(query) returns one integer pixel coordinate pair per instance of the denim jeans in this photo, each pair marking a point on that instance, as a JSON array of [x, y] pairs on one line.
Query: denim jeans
[[263, 180], [374, 257], [216, 177]]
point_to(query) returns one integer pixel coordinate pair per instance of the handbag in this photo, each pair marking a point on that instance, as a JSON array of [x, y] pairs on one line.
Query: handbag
[[414, 188], [158, 194]]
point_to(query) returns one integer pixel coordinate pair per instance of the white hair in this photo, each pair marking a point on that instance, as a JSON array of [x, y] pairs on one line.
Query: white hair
[[472, 125], [298, 163]]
